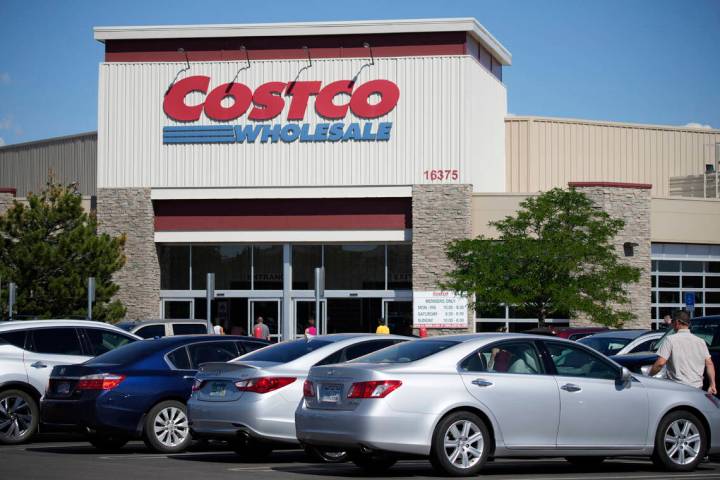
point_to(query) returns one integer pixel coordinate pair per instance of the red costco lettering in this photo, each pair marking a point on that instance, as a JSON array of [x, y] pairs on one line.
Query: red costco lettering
[[268, 100]]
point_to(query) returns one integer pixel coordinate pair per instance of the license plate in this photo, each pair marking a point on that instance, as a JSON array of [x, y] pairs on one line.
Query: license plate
[[63, 388], [217, 390], [330, 393]]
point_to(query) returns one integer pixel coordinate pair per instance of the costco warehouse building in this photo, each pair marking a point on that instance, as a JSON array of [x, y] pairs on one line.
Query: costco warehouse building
[[259, 152]]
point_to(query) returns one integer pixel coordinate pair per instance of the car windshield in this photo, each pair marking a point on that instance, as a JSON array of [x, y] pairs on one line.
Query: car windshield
[[605, 345], [707, 330], [406, 352], [285, 352]]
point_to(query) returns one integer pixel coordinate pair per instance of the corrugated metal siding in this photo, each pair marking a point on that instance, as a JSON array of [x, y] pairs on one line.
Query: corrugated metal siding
[[428, 128], [71, 159], [543, 153]]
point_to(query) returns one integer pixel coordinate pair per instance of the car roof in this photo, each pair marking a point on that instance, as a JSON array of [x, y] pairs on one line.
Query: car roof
[[183, 339], [161, 320], [339, 337], [709, 318], [631, 334], [24, 324]]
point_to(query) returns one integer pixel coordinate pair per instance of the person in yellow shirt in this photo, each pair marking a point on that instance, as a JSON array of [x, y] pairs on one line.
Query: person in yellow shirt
[[382, 328]]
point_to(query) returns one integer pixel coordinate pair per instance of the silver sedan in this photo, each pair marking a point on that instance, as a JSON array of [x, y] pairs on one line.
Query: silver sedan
[[464, 399], [251, 400]]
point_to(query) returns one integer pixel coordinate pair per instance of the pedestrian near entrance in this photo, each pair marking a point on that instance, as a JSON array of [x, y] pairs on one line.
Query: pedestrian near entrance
[[261, 330], [311, 331], [685, 355], [667, 322], [382, 328]]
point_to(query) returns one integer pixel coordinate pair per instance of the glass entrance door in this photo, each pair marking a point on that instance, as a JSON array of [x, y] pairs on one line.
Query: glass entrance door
[[399, 316], [304, 311], [269, 310]]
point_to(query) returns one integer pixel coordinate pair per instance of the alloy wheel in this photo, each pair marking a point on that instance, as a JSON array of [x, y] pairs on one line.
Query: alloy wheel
[[171, 426], [682, 441], [15, 416], [464, 444]]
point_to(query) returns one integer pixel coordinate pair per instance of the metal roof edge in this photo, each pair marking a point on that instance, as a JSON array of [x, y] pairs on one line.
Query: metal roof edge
[[610, 123], [47, 140]]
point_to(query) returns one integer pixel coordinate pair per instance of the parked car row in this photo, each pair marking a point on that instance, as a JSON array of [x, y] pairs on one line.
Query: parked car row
[[459, 400]]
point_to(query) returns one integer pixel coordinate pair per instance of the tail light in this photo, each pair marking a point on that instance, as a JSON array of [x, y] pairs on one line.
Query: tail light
[[101, 381], [263, 384], [197, 385], [308, 389], [375, 389]]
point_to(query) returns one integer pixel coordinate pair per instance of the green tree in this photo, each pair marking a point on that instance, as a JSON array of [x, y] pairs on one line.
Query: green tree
[[49, 248], [554, 256]]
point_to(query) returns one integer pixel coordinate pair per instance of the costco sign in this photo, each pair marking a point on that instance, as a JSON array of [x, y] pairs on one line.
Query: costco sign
[[229, 102]]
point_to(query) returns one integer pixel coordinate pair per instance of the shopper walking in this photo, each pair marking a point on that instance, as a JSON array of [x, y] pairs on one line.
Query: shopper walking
[[685, 355], [311, 330], [382, 328], [667, 322], [261, 330]]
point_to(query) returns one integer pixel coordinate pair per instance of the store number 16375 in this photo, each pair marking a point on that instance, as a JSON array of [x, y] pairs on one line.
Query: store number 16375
[[441, 174]]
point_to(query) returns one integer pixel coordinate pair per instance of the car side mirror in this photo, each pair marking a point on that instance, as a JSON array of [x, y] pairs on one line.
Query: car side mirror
[[625, 377]]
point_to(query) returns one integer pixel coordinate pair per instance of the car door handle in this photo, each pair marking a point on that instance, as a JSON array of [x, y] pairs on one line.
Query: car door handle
[[38, 364], [481, 382], [188, 377], [571, 387]]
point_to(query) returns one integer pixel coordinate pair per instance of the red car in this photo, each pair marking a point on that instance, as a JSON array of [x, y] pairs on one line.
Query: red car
[[570, 333]]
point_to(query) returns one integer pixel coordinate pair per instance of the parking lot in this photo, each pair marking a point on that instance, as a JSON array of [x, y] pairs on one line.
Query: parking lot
[[55, 457]]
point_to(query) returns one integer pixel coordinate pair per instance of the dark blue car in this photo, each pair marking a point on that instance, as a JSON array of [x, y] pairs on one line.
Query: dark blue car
[[137, 391]]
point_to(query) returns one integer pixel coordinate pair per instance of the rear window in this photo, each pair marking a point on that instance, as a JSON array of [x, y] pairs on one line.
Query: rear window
[[286, 351], [128, 354], [15, 338], [605, 345], [407, 352], [151, 331], [189, 328]]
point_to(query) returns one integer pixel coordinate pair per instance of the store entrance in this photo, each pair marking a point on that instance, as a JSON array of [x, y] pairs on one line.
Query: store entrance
[[269, 310], [304, 311], [399, 315], [353, 315]]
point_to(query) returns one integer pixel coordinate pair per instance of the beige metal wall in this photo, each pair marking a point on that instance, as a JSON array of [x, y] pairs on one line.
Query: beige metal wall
[[544, 153], [71, 159], [672, 220]]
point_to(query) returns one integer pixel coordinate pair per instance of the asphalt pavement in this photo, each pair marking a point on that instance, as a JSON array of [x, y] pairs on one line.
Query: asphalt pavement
[[71, 458]]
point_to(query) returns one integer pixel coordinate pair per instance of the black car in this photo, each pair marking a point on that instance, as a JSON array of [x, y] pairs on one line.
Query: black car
[[707, 328]]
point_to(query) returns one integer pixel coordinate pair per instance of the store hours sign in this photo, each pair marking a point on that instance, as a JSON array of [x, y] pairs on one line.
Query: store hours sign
[[230, 102], [439, 310]]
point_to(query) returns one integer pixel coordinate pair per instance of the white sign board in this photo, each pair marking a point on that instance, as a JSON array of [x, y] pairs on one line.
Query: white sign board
[[439, 310]]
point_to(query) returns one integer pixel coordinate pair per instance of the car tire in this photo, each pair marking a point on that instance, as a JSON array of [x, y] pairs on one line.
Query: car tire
[[585, 461], [460, 445], [250, 449], [108, 443], [680, 442], [326, 455], [375, 462], [19, 417], [166, 428]]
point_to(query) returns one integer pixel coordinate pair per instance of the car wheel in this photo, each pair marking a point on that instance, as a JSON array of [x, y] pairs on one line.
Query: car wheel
[[326, 455], [375, 462], [461, 444], [166, 427], [250, 449], [680, 442], [19, 415], [108, 443], [585, 461]]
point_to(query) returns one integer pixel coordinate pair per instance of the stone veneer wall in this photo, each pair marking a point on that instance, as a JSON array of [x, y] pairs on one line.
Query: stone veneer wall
[[440, 213], [630, 202], [130, 211]]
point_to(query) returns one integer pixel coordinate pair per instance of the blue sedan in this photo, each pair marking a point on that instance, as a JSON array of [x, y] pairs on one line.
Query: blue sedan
[[137, 391]]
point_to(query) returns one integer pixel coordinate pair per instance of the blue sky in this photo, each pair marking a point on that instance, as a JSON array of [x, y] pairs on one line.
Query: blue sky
[[648, 61]]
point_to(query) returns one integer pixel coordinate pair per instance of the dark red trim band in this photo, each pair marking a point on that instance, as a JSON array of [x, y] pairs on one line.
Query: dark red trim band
[[641, 186], [277, 214], [273, 48], [9, 190]]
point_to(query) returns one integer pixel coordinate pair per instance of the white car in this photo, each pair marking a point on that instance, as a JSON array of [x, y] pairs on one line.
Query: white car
[[28, 352], [165, 328]]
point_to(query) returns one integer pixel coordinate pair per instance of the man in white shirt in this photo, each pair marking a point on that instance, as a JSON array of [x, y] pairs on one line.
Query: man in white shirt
[[685, 355]]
